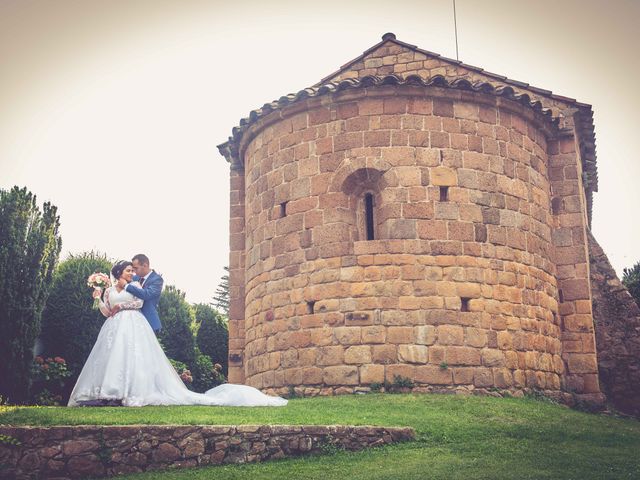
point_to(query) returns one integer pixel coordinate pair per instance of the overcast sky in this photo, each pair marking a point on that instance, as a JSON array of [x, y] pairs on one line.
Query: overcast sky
[[112, 110]]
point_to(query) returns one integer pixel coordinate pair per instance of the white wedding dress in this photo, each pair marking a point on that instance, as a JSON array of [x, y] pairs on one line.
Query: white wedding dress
[[128, 364]]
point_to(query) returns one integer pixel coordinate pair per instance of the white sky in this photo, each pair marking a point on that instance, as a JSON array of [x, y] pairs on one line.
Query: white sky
[[112, 110]]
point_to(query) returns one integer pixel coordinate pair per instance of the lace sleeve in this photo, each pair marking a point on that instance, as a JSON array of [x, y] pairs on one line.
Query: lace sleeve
[[135, 304], [104, 305]]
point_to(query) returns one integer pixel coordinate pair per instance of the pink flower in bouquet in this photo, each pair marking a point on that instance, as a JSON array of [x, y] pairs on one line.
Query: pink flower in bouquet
[[39, 360], [45, 367], [59, 360], [98, 281]]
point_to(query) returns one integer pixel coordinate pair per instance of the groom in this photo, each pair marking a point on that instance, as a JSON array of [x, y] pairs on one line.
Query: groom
[[150, 292]]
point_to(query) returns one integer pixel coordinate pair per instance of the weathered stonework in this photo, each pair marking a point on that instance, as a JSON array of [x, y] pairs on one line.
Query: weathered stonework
[[82, 452], [617, 323], [413, 216]]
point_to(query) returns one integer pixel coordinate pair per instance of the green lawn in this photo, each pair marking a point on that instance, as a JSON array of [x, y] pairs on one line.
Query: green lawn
[[457, 437]]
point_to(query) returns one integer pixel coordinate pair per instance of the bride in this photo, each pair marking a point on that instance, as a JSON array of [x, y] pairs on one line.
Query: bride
[[128, 365]]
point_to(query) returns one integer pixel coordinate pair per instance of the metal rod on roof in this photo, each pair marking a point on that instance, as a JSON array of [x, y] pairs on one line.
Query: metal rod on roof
[[455, 26]]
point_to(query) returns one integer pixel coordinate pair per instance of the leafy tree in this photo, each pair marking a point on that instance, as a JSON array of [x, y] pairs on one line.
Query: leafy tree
[[29, 250], [176, 317], [70, 325], [221, 297], [631, 280], [213, 334]]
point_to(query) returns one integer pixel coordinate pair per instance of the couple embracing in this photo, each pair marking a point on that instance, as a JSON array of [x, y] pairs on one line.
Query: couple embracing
[[127, 365], [146, 285]]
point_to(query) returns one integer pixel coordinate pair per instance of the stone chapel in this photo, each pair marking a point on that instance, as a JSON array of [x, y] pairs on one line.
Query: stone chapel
[[411, 217]]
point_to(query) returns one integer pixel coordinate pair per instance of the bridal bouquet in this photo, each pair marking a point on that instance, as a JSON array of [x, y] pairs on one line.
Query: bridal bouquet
[[98, 281]]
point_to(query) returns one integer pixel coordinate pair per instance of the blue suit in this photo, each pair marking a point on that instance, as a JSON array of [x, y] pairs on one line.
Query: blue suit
[[150, 293]]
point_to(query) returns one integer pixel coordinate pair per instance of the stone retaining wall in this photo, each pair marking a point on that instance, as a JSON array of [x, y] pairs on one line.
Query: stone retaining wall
[[617, 325], [97, 451]]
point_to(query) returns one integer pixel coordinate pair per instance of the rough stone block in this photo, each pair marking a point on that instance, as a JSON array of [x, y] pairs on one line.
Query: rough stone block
[[371, 374], [360, 354], [462, 356], [502, 378], [450, 335], [348, 335], [396, 335], [582, 363], [384, 354], [340, 375], [443, 107], [443, 176], [483, 377], [425, 335], [433, 375], [493, 358], [475, 337], [413, 354], [330, 355], [405, 371]]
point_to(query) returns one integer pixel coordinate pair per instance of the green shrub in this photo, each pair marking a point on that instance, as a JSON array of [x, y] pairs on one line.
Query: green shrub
[[402, 382], [69, 324], [376, 387], [176, 317], [213, 334], [29, 250], [205, 374]]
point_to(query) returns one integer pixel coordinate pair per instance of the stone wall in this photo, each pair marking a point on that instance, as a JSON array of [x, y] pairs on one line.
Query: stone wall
[[236, 275], [617, 326], [83, 451], [459, 287]]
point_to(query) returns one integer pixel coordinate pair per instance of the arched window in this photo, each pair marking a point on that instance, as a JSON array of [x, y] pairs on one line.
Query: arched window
[[363, 187], [368, 216]]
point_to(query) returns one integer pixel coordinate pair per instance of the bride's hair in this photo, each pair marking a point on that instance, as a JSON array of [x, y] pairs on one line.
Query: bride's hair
[[119, 267]]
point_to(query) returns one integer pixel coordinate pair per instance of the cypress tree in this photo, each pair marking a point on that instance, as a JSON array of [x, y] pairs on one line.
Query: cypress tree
[[221, 297], [29, 249], [213, 334]]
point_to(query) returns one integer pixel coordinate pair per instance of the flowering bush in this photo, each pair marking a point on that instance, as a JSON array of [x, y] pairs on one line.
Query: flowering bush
[[51, 369], [204, 375], [186, 377], [218, 375], [183, 371], [49, 377]]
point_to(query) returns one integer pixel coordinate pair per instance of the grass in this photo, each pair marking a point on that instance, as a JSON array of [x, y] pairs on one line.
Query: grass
[[457, 437]]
